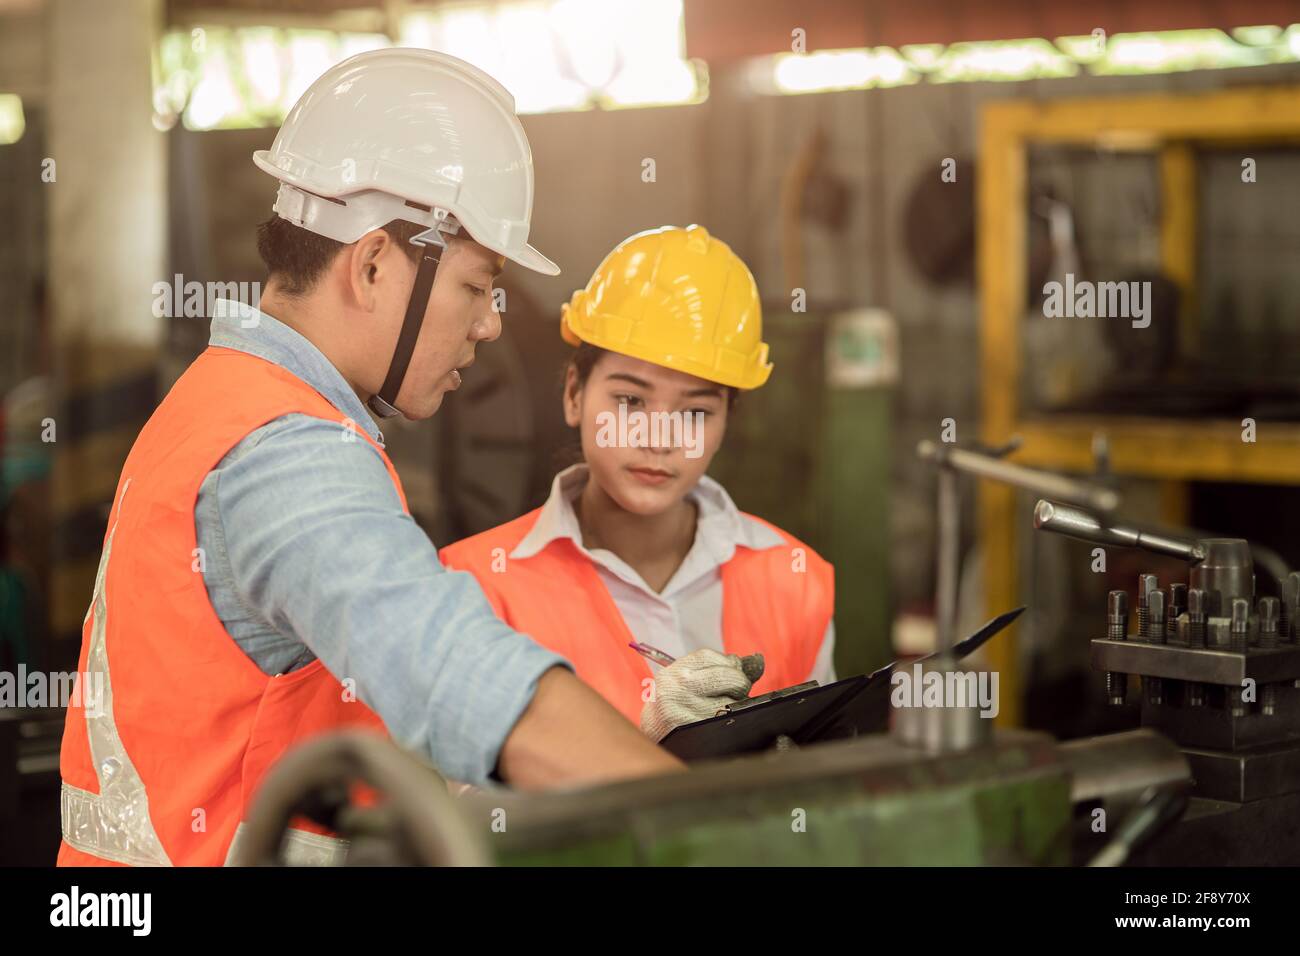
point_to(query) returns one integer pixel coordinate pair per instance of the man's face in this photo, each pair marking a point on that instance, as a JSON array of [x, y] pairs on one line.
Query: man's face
[[646, 478], [460, 314]]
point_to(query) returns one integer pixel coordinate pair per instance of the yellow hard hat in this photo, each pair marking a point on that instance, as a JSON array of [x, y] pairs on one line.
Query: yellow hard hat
[[677, 298]]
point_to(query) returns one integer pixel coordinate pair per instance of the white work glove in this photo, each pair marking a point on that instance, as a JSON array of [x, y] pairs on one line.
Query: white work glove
[[697, 686]]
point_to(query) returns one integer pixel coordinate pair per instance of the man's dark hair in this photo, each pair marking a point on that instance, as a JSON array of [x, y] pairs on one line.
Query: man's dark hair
[[296, 257]]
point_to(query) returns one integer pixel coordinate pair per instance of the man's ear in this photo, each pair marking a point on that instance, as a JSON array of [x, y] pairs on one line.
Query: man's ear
[[368, 261]]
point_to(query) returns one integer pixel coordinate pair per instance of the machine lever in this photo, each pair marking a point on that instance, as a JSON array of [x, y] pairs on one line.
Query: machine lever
[[1077, 523]]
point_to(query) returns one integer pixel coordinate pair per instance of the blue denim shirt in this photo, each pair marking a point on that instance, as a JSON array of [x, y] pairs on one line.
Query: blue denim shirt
[[308, 553]]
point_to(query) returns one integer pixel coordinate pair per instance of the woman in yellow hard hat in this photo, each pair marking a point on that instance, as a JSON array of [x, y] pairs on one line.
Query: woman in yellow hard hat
[[637, 544]]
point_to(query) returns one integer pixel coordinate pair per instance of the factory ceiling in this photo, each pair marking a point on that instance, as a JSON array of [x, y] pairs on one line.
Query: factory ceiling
[[721, 30]]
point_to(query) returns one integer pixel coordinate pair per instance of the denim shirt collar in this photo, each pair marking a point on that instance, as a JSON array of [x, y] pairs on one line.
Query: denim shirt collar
[[246, 329]]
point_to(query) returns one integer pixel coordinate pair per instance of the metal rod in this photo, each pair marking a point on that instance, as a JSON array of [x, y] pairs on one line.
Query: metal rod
[[1090, 496], [948, 561], [1074, 523]]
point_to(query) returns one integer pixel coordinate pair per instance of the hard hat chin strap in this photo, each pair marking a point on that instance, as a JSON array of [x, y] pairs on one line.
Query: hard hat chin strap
[[432, 246]]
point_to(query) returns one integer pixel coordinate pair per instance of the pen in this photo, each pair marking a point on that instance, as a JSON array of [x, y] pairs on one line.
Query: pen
[[652, 653]]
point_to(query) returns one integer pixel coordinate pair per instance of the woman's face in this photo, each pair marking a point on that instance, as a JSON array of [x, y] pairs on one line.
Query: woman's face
[[648, 432]]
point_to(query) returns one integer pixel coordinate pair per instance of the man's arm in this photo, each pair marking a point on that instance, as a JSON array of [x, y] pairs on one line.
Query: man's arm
[[318, 546], [571, 736]]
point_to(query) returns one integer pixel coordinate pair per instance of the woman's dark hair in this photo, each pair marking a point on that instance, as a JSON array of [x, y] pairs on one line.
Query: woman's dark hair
[[586, 355]]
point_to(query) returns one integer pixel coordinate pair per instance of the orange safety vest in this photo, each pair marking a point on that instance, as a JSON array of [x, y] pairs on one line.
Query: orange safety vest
[[777, 601], [163, 770]]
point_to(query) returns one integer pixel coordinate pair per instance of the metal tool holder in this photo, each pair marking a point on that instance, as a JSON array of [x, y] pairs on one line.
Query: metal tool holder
[[1219, 667]]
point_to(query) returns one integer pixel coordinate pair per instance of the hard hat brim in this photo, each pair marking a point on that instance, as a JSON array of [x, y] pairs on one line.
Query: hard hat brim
[[529, 258]]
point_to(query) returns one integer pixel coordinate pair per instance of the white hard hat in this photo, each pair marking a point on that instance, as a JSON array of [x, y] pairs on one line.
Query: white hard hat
[[407, 134]]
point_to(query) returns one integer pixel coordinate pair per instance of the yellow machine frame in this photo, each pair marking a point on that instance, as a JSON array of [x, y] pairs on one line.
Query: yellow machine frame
[[1173, 452]]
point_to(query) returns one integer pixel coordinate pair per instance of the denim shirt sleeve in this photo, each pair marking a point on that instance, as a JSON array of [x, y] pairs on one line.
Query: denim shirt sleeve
[[309, 528]]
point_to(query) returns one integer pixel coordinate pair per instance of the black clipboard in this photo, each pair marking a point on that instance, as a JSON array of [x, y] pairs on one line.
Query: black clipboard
[[807, 713]]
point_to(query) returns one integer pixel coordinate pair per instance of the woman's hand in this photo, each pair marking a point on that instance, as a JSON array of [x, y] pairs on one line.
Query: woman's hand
[[696, 687]]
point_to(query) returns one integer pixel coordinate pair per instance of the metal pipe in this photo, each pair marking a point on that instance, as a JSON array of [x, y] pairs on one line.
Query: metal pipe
[[423, 819], [1090, 496]]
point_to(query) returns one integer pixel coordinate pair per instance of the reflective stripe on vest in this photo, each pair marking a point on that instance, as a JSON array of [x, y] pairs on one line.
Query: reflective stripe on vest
[[113, 824], [300, 848]]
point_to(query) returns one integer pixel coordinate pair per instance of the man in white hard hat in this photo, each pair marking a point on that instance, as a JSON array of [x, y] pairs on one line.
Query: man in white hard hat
[[261, 581]]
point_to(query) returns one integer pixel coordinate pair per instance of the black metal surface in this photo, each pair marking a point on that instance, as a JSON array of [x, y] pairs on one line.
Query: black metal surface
[[1206, 665], [1213, 726], [1220, 833], [1244, 776]]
